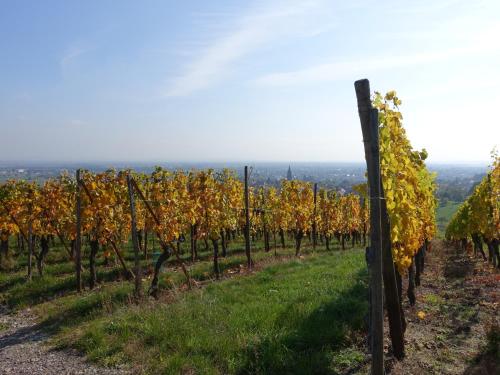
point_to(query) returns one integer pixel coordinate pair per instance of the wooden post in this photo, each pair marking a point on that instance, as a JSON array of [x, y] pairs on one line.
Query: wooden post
[[314, 229], [193, 242], [369, 125], [363, 207], [263, 211], [216, 258], [78, 242], [30, 249], [411, 283], [247, 222], [135, 240], [392, 294]]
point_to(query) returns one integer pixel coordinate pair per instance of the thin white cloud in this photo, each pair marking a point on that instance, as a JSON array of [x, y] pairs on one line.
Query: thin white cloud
[[346, 69], [70, 55], [426, 7], [250, 33]]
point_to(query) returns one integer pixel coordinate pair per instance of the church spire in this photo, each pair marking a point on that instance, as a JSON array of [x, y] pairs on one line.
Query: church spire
[[289, 175]]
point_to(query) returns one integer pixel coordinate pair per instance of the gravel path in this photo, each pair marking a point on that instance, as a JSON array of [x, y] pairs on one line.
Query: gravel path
[[23, 350]]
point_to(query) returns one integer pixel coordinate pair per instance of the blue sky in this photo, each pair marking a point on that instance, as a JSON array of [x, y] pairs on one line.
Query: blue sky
[[242, 81]]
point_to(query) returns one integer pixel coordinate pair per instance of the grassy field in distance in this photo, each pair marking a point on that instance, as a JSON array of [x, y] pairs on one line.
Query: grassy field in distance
[[444, 214]]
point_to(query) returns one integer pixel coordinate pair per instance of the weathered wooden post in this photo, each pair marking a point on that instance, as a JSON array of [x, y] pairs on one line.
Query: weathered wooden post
[[135, 239], [314, 225], [215, 244], [30, 236], [369, 126], [247, 222], [411, 283], [392, 293], [78, 241], [30, 250], [267, 247]]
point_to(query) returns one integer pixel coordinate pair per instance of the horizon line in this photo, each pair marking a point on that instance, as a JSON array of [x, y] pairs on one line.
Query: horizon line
[[157, 162]]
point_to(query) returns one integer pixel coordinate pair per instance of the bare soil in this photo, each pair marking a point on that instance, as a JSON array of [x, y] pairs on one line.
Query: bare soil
[[460, 305]]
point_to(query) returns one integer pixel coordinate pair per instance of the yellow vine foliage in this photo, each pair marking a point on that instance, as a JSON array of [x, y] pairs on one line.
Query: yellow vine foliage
[[480, 213], [204, 203], [408, 186], [105, 213], [297, 197]]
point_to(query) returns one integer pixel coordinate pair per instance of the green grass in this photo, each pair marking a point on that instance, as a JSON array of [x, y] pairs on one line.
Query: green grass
[[59, 278], [291, 318], [3, 326], [444, 214], [433, 299]]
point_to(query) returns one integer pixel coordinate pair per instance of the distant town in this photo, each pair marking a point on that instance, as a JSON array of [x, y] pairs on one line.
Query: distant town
[[455, 181]]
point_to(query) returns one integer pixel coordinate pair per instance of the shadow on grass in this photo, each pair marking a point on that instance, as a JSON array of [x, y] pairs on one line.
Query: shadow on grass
[[319, 343], [84, 308], [20, 293], [12, 281], [40, 289]]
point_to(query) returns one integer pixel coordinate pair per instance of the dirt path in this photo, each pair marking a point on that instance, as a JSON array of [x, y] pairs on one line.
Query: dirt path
[[24, 350], [460, 300]]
